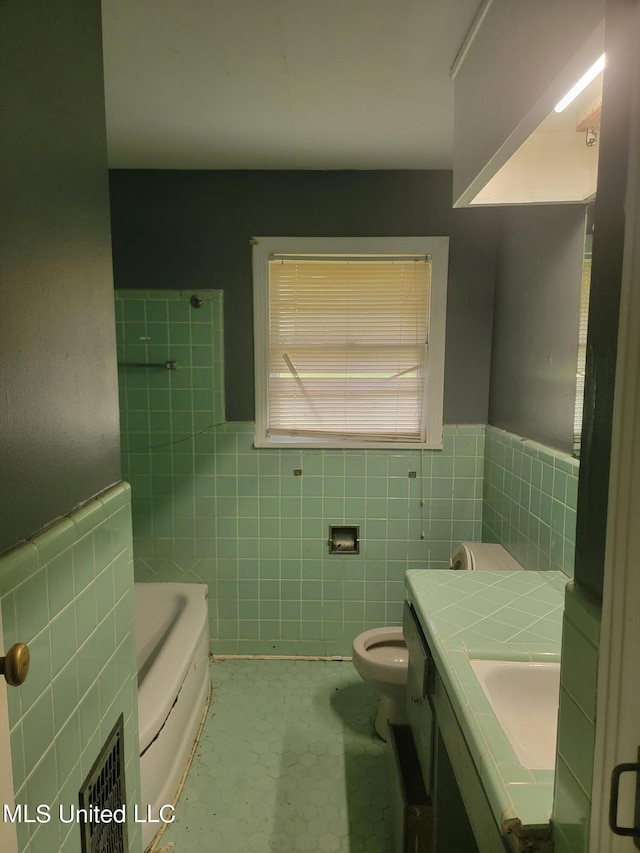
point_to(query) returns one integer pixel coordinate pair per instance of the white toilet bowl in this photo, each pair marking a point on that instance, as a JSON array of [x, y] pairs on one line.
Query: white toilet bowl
[[381, 658]]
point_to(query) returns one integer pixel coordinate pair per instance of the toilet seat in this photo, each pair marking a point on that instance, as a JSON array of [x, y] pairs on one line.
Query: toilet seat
[[381, 655], [389, 652]]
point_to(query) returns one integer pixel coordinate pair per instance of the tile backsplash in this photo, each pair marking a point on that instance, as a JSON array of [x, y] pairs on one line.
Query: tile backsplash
[[258, 534], [529, 501], [68, 593]]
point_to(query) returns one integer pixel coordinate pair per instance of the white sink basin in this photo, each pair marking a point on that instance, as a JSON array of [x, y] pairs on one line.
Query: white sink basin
[[524, 697]]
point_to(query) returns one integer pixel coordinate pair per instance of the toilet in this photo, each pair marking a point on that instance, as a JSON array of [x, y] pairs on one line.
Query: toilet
[[380, 656], [483, 556]]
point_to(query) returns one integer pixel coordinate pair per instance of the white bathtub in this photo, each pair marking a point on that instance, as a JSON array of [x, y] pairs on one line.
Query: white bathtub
[[172, 649]]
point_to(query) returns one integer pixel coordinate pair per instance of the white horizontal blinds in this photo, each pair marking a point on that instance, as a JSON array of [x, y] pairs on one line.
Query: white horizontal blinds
[[582, 353], [347, 346]]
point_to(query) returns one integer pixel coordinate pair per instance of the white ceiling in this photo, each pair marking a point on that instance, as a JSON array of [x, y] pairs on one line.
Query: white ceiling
[[281, 84]]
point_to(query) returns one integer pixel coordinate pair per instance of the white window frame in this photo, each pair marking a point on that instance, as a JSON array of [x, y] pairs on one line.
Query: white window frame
[[436, 247]]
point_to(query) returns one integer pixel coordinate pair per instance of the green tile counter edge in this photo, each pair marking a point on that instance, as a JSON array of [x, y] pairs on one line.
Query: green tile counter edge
[[501, 616]]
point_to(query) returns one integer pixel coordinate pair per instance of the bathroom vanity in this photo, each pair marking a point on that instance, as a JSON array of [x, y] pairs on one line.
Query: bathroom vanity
[[482, 690]]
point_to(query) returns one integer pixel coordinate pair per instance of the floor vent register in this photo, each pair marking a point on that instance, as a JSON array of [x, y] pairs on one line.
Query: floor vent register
[[104, 788]]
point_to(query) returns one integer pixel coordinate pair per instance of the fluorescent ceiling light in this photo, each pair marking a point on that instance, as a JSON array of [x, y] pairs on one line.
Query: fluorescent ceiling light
[[582, 83]]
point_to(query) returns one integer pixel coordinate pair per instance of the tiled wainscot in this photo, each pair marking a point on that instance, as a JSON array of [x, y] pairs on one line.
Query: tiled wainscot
[[529, 501], [68, 594]]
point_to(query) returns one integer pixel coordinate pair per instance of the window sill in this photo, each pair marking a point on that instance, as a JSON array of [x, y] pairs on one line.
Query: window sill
[[325, 444]]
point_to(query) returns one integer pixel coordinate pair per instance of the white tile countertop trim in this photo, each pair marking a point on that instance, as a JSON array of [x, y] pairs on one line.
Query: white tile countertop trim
[[502, 616]]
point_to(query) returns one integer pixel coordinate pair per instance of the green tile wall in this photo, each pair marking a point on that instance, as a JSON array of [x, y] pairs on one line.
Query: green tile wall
[[576, 722], [244, 523], [155, 327], [68, 593], [529, 501], [209, 507]]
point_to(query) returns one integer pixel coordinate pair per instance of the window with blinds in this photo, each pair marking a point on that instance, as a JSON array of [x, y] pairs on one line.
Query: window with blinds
[[582, 355], [585, 287], [345, 350]]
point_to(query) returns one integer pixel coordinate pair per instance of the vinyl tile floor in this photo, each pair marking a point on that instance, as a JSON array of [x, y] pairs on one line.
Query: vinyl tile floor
[[288, 762]]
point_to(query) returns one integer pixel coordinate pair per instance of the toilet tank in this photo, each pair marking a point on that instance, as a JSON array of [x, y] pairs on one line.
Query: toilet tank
[[483, 556]]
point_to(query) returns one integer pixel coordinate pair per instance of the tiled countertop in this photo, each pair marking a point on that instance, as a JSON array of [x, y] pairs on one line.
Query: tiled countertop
[[495, 615]]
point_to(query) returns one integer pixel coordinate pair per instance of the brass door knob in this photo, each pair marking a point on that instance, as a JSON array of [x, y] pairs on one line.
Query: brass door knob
[[15, 664]]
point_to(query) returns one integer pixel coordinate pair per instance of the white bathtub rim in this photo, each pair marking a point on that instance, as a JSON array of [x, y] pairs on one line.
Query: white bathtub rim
[[183, 778], [163, 763], [160, 688]]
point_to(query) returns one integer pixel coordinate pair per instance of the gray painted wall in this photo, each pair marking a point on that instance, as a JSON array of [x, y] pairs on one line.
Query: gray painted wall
[[536, 314], [619, 96], [181, 229], [59, 442]]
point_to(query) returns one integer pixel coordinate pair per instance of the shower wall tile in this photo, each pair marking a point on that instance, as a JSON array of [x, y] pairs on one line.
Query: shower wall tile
[[529, 501], [68, 593], [155, 328]]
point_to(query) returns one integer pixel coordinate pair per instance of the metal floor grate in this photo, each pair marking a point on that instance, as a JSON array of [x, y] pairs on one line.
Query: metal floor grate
[[104, 788]]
